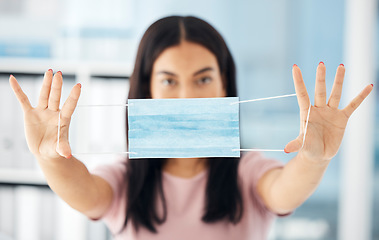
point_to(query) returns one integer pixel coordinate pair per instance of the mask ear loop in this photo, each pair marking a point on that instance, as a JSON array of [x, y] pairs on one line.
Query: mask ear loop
[[104, 153], [267, 98], [273, 150], [306, 125]]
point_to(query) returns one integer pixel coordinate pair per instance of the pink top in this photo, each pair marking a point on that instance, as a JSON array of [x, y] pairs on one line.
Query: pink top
[[185, 204]]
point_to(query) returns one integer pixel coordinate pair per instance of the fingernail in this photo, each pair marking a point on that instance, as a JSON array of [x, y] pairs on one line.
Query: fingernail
[[80, 85], [69, 156], [60, 72], [372, 84], [322, 63], [342, 65], [294, 65], [11, 76], [286, 151], [50, 70]]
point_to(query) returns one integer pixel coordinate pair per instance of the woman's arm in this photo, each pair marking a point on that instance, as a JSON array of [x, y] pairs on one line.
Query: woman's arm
[[285, 189], [71, 181]]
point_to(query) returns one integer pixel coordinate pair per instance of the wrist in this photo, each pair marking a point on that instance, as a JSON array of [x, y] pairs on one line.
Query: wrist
[[49, 159], [313, 160]]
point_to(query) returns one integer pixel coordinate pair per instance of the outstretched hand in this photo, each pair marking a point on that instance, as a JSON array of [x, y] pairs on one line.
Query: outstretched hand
[[41, 122], [327, 123]]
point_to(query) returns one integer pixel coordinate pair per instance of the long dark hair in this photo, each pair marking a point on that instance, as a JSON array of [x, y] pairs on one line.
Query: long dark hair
[[144, 176]]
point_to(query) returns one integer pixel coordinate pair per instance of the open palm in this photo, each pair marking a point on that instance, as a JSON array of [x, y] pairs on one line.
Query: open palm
[[41, 122], [327, 123]]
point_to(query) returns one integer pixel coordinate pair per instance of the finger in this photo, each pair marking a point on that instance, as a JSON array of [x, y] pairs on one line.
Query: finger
[[301, 91], [354, 104], [294, 145], [335, 96], [45, 89], [320, 88], [71, 102], [21, 96], [55, 92]]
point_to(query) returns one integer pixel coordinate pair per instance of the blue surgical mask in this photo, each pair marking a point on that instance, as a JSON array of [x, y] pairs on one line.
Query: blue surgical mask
[[183, 128]]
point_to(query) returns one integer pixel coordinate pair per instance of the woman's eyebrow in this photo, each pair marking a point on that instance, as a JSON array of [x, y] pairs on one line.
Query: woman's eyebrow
[[167, 73], [203, 70], [196, 73]]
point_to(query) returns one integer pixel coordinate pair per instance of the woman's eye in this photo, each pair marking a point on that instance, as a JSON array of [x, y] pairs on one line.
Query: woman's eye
[[168, 82], [204, 80]]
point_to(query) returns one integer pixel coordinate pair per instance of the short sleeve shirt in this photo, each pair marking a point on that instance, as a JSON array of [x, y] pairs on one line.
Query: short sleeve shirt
[[185, 199]]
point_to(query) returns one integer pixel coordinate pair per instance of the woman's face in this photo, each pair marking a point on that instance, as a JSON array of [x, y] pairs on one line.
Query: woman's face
[[188, 70]]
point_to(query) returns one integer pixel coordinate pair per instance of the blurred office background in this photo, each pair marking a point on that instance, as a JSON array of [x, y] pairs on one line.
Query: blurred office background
[[95, 42]]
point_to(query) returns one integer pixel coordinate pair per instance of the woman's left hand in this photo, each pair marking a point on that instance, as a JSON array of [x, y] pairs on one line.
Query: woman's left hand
[[327, 123]]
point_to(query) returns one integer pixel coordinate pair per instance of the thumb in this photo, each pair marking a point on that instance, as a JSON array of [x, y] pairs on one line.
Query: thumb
[[63, 147], [294, 145]]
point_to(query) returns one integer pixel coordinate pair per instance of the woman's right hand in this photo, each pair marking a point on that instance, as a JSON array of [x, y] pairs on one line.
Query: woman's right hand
[[41, 122]]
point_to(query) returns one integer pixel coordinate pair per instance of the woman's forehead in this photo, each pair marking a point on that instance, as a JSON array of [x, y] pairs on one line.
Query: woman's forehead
[[187, 56]]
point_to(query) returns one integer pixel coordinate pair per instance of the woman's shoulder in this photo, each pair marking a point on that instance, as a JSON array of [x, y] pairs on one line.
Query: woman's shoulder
[[254, 164], [113, 172], [256, 158], [116, 165]]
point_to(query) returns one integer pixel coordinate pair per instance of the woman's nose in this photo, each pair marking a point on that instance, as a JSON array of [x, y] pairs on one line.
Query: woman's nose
[[186, 92]]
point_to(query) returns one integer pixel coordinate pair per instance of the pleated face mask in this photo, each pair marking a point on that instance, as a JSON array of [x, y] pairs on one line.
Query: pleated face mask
[[183, 128]]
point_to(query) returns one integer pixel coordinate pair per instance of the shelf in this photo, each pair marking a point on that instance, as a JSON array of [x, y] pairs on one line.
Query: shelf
[[39, 66], [17, 177]]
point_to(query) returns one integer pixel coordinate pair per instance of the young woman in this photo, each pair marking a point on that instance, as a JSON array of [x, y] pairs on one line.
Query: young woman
[[193, 198]]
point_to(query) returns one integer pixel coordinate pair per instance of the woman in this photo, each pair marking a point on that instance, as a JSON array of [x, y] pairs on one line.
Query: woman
[[193, 198]]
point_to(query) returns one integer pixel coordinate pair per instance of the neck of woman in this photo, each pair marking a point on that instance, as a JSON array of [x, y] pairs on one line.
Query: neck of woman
[[185, 167]]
